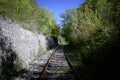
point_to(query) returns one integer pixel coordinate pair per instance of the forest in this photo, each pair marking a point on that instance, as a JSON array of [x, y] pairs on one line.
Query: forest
[[92, 33]]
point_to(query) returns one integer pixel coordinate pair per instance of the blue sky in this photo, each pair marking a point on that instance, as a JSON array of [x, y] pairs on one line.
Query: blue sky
[[57, 7]]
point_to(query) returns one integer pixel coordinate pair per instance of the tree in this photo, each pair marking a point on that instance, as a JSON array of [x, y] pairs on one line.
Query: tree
[[93, 31]]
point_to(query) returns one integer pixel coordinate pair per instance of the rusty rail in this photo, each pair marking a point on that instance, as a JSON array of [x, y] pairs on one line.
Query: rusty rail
[[46, 65], [43, 73], [77, 76]]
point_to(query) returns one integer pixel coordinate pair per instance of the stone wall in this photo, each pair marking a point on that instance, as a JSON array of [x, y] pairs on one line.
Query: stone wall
[[23, 43]]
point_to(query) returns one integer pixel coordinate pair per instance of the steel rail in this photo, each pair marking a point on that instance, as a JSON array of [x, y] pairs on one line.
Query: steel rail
[[44, 71], [46, 65], [77, 76]]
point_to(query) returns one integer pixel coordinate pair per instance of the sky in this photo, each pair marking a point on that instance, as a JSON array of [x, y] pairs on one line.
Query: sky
[[57, 7]]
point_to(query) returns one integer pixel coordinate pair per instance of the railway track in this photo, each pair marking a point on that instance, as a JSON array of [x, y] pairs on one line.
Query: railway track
[[55, 66]]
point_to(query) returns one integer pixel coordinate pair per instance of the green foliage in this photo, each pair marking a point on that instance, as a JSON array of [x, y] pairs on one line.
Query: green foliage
[[40, 52], [93, 31], [55, 31], [46, 21], [28, 12], [10, 67], [18, 65], [14, 9], [90, 22]]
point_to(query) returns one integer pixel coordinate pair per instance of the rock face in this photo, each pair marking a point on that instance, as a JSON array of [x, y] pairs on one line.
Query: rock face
[[52, 42], [14, 40]]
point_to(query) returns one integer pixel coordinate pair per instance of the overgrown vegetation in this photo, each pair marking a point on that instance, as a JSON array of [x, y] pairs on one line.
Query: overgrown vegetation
[[92, 30], [10, 66], [93, 33], [28, 13]]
